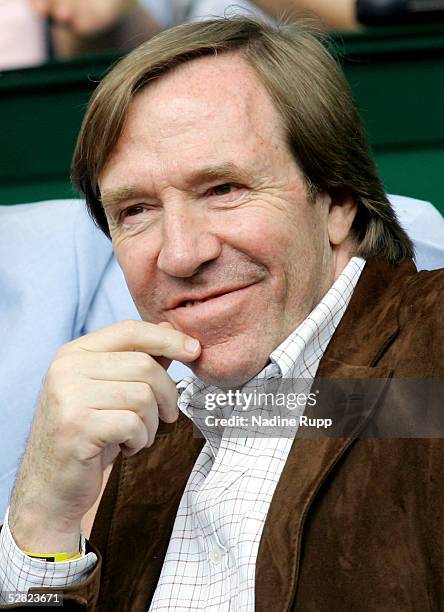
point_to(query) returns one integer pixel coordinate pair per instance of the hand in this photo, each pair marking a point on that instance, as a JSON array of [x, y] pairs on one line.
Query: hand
[[102, 393], [84, 17]]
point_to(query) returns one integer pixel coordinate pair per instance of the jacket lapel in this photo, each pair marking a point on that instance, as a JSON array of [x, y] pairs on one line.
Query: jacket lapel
[[351, 386]]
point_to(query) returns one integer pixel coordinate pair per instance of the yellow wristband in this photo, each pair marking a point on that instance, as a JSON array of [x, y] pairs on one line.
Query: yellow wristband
[[53, 557]]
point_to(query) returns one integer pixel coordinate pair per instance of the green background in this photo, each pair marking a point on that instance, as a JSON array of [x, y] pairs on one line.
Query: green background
[[397, 76]]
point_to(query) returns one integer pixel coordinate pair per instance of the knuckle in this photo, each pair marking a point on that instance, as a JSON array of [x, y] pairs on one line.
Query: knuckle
[[146, 394], [128, 331], [146, 364], [55, 370], [64, 350], [114, 358], [121, 396], [129, 327], [69, 423], [132, 423], [56, 380], [168, 340], [63, 367]]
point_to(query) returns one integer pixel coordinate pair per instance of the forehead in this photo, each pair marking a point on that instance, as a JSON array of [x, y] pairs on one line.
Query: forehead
[[204, 110]]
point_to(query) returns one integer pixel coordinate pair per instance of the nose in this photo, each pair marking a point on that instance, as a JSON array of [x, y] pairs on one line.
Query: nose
[[187, 241]]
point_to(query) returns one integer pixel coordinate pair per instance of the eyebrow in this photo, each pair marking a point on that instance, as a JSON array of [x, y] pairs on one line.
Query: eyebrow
[[114, 197], [226, 172]]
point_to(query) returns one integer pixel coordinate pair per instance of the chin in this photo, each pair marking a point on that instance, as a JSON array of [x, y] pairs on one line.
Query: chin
[[224, 369]]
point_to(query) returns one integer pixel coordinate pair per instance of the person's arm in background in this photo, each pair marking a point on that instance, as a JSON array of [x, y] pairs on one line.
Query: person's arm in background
[[87, 26], [334, 14]]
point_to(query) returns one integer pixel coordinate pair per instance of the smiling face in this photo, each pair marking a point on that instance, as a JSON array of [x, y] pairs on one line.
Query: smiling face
[[210, 217]]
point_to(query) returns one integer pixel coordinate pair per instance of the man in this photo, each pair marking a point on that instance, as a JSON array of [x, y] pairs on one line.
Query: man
[[228, 164], [59, 288]]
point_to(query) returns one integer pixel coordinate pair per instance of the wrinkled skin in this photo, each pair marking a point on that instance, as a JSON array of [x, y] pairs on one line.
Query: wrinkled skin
[[202, 195]]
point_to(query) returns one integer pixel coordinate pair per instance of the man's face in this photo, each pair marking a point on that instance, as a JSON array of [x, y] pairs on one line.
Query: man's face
[[205, 202]]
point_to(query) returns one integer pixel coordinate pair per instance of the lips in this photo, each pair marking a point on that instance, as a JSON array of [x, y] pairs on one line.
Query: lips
[[188, 301], [208, 315]]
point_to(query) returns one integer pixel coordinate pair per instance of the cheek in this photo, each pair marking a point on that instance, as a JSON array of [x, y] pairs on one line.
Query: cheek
[[269, 233], [268, 243], [291, 248], [137, 265], [259, 234]]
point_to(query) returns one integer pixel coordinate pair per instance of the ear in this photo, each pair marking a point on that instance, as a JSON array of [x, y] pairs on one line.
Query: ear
[[342, 212]]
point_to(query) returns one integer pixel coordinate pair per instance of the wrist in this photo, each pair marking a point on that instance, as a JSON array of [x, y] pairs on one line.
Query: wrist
[[33, 533]]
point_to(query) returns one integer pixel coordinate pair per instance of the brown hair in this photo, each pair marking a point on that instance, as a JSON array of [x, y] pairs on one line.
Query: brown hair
[[324, 130]]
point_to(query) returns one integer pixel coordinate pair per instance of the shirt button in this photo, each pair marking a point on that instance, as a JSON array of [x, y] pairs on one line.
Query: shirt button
[[216, 556]]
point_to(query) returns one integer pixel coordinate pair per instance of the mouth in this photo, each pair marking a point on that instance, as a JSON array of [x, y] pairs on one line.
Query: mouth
[[215, 318], [194, 314], [193, 301]]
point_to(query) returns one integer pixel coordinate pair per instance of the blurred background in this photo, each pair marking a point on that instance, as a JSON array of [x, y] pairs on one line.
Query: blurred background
[[53, 53]]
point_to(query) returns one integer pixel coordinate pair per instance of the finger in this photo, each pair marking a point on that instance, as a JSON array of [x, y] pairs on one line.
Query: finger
[[129, 367], [155, 340], [122, 427], [135, 397], [164, 362]]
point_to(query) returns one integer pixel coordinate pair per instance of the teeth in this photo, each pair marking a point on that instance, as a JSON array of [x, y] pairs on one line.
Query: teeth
[[192, 303]]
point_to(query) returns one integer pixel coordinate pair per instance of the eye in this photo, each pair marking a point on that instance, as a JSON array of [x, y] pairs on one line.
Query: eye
[[224, 189], [133, 211]]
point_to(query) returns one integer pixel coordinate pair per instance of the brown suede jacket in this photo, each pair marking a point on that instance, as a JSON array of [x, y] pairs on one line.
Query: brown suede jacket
[[356, 523]]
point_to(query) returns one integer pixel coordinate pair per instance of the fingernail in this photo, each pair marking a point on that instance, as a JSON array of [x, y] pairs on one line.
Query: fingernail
[[191, 345]]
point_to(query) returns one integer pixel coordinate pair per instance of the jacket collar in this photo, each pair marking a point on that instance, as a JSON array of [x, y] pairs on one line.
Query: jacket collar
[[371, 319]]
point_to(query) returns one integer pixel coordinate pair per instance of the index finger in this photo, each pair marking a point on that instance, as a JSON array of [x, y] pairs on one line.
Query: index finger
[[155, 340]]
